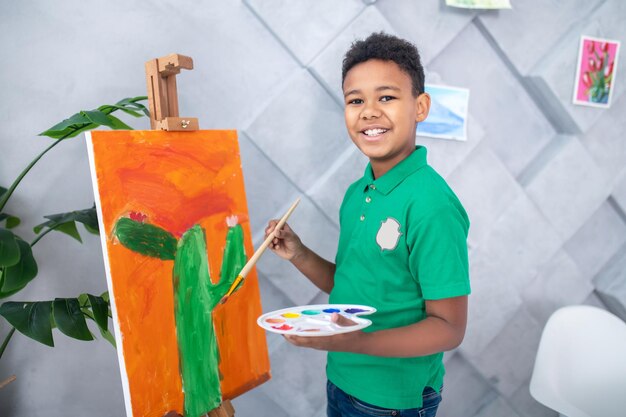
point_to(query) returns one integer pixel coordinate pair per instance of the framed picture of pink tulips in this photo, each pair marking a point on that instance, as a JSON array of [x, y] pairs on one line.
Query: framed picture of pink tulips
[[595, 73]]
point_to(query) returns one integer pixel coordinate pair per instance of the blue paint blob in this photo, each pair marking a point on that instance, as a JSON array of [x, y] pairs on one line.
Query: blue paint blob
[[354, 310], [331, 310]]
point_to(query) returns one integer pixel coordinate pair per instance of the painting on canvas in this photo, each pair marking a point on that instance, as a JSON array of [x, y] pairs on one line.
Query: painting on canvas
[[447, 118], [480, 4], [595, 71], [175, 234]]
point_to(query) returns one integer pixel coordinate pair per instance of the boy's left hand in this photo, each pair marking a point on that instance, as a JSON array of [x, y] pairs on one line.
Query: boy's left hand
[[343, 342]]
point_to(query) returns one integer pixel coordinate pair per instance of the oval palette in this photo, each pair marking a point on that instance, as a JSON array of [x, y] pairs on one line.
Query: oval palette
[[314, 320]]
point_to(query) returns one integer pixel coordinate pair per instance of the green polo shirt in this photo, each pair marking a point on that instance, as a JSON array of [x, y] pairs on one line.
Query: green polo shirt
[[402, 241]]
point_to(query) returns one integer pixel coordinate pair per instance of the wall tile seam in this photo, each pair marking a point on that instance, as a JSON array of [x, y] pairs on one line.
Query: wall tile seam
[[307, 65], [257, 235], [265, 24], [336, 35], [574, 27], [327, 88], [615, 206], [593, 209], [443, 48], [493, 392], [505, 400], [609, 265], [559, 234], [513, 180], [273, 343], [587, 143], [330, 171], [321, 82], [545, 155], [284, 86], [279, 88], [317, 76], [278, 405], [498, 396], [523, 81]]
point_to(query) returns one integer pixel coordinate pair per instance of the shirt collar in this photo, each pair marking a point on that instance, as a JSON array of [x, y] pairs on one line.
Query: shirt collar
[[392, 178]]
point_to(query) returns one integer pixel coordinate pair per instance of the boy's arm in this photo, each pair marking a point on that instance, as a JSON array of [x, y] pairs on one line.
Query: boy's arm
[[317, 269], [443, 329], [288, 246]]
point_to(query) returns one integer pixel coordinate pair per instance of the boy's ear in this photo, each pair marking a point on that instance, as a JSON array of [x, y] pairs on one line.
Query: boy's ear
[[422, 108]]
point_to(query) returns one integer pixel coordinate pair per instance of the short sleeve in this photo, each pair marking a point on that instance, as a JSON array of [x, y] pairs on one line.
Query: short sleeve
[[438, 257]]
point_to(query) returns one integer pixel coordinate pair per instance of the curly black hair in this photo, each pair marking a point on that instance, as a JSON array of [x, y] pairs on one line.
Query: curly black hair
[[386, 48]]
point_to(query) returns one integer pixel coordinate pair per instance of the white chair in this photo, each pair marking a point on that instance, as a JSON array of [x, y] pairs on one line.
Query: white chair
[[580, 369]]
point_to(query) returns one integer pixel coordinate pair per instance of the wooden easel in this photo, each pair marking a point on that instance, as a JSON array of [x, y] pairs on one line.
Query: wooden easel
[[224, 410], [163, 104], [163, 95]]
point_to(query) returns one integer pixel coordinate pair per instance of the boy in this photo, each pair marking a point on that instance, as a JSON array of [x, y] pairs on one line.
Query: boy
[[402, 247]]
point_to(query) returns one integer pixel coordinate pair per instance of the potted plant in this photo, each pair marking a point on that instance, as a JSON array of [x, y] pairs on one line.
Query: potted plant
[[18, 266]]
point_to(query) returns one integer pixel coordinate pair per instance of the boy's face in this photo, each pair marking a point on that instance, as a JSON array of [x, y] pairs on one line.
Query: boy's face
[[381, 112]]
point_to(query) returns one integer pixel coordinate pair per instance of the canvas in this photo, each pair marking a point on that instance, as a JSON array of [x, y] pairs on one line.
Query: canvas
[[447, 118], [175, 234], [480, 4], [595, 71]]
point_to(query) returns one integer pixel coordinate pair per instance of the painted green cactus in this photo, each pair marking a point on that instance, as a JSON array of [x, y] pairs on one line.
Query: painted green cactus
[[195, 297]]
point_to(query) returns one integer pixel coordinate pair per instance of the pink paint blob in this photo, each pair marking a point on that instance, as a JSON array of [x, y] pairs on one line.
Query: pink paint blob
[[275, 320]]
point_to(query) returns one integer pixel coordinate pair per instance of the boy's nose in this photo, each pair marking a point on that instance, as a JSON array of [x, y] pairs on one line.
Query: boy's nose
[[370, 112]]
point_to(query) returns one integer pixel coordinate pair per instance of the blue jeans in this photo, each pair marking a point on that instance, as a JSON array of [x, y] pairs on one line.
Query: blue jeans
[[341, 404]]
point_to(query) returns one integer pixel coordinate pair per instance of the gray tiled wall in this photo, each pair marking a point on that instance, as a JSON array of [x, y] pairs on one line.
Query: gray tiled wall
[[543, 180]]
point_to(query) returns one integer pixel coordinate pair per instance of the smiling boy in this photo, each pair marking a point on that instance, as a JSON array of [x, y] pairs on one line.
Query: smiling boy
[[402, 247]]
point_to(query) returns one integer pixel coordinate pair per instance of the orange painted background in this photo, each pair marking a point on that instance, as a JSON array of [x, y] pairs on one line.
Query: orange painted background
[[176, 179]]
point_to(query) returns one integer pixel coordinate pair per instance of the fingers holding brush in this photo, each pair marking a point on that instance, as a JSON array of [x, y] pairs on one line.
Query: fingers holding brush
[[286, 242]]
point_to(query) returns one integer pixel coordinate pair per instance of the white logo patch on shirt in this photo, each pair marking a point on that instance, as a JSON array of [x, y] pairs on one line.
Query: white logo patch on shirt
[[388, 234]]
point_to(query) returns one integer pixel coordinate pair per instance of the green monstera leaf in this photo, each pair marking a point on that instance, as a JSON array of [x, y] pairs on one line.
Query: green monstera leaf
[[11, 221], [66, 222], [9, 249], [31, 319], [89, 119], [37, 319], [15, 277]]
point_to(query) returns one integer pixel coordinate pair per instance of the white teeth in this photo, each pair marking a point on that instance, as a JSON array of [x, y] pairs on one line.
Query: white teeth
[[374, 132]]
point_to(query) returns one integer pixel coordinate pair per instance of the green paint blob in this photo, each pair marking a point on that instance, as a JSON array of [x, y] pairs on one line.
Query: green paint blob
[[146, 239], [195, 298], [311, 312]]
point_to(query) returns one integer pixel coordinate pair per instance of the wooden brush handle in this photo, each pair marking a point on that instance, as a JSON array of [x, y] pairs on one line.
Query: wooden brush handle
[[254, 258]]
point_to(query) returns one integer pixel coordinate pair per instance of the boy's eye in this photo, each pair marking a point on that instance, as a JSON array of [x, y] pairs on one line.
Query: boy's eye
[[387, 98], [355, 101]]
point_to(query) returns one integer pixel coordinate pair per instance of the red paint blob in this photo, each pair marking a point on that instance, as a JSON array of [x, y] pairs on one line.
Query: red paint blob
[[283, 327]]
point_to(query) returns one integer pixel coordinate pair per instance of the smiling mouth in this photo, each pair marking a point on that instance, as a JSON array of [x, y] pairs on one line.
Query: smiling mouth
[[374, 133]]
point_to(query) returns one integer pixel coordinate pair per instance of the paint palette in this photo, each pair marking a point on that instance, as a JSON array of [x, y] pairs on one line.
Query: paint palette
[[314, 320]]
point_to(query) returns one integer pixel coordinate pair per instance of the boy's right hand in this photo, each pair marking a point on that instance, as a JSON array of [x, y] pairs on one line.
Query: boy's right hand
[[286, 242]]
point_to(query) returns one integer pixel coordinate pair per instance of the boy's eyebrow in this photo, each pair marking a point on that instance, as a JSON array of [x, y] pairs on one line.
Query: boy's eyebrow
[[381, 88]]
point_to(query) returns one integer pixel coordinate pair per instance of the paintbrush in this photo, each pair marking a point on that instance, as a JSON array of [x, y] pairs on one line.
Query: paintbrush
[[254, 258]]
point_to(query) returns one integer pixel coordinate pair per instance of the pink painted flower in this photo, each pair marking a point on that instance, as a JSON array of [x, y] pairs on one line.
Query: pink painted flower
[[232, 221], [137, 216], [604, 46], [592, 64], [590, 46], [587, 79]]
